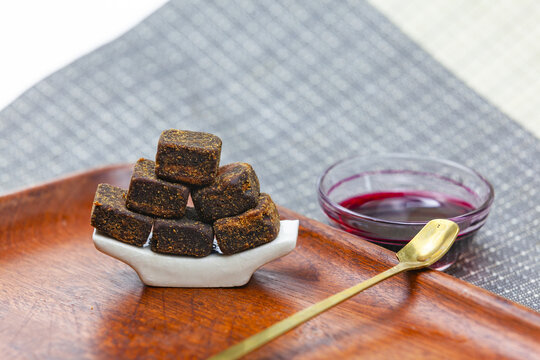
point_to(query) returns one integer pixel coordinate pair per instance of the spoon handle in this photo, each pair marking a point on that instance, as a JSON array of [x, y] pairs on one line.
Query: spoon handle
[[280, 328]]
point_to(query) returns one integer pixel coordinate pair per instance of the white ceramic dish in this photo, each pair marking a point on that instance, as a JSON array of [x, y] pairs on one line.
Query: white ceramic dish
[[214, 270]]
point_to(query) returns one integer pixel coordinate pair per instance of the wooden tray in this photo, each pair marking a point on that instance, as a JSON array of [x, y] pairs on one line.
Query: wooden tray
[[61, 298]]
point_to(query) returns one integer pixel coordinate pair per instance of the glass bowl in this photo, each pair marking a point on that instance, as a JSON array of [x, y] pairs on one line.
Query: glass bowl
[[387, 199]]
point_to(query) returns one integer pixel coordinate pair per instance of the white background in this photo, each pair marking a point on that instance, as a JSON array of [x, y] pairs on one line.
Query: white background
[[38, 37]]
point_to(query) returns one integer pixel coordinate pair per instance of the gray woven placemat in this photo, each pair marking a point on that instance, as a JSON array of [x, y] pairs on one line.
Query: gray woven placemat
[[290, 88]]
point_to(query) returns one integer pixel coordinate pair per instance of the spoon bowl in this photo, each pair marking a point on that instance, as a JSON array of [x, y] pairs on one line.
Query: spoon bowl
[[430, 244]]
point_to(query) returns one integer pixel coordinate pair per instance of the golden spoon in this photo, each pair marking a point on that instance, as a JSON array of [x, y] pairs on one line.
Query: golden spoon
[[428, 246]]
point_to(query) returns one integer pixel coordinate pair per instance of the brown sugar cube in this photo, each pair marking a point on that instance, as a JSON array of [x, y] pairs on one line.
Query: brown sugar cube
[[250, 229], [186, 236], [152, 196], [188, 156], [235, 190], [110, 216]]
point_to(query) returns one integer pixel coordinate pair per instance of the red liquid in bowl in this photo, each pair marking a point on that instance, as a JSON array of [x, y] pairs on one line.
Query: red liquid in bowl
[[407, 206], [404, 207]]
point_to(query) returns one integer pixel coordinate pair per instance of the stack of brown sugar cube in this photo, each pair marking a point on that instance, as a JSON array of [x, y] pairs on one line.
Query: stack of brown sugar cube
[[227, 201]]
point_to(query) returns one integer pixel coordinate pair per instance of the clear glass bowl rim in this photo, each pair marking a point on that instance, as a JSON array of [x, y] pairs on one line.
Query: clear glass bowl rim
[[392, 156]]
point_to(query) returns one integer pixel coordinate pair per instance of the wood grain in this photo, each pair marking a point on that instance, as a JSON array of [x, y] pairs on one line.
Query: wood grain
[[61, 298]]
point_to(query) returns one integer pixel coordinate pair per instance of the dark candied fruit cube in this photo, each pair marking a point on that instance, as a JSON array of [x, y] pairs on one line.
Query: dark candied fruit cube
[[110, 216], [250, 229], [186, 236], [188, 156], [191, 214], [235, 190], [152, 196]]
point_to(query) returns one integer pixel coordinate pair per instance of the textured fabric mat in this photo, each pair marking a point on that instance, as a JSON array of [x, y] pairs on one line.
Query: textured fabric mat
[[492, 45], [290, 88]]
